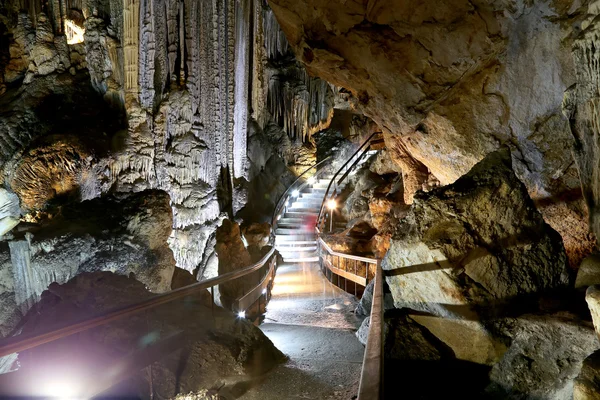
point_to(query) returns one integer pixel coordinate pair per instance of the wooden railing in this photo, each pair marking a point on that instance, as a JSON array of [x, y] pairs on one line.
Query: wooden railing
[[360, 271], [371, 376]]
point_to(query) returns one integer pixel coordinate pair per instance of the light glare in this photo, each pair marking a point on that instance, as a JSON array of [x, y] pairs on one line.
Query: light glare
[[295, 193], [331, 204], [242, 314]]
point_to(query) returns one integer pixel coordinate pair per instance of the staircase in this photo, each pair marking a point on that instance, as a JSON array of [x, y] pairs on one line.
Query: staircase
[[295, 236]]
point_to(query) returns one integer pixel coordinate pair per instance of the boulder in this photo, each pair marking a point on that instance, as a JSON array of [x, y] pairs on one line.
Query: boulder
[[406, 340], [126, 234], [182, 278], [214, 349], [481, 347], [366, 301], [544, 357], [257, 234], [587, 383], [477, 241], [233, 256], [592, 297], [588, 273]]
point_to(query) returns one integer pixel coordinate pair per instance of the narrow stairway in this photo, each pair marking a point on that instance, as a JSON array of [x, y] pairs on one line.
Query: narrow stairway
[[308, 318]]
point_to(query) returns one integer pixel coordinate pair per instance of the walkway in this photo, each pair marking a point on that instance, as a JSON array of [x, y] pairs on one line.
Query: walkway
[[308, 318]]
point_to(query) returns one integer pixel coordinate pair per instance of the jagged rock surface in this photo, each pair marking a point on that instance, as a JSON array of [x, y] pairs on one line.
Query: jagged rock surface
[[233, 256], [125, 235], [544, 357], [479, 240], [587, 383]]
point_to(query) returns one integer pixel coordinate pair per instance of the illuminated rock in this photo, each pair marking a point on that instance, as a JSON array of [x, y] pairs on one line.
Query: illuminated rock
[[479, 241]]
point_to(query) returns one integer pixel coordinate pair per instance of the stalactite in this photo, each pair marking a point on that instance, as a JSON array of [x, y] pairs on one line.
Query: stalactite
[[301, 104], [275, 41], [242, 70], [131, 29]]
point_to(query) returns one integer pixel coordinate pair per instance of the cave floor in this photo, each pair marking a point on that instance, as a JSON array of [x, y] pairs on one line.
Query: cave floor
[[313, 323]]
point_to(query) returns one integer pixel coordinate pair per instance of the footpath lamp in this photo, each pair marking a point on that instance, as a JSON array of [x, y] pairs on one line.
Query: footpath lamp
[[331, 204]]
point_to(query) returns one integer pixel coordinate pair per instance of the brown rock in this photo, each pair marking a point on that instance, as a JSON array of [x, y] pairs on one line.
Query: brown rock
[[587, 383], [257, 234], [233, 256], [212, 343]]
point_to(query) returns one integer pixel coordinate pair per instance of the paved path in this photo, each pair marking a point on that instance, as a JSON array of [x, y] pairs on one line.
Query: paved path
[[311, 321]]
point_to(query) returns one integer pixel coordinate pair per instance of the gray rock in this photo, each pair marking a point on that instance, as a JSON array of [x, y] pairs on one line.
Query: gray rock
[[545, 356], [366, 301]]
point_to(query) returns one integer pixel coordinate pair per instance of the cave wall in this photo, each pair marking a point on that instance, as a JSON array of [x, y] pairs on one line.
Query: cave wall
[[203, 100], [452, 81]]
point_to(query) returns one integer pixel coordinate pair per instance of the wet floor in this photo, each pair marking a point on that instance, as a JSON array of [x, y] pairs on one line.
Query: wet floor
[[313, 323]]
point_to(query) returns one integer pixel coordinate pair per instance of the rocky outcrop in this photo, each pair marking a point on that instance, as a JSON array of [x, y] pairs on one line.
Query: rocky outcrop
[[587, 384], [580, 103], [125, 235], [588, 273], [545, 356], [257, 234], [477, 241], [203, 354]]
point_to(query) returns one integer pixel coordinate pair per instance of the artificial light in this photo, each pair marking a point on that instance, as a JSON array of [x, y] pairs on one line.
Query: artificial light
[[242, 314], [331, 204]]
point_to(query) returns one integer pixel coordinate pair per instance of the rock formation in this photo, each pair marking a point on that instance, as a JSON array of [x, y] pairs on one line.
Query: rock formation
[[233, 256], [126, 235], [479, 240], [216, 352], [450, 83]]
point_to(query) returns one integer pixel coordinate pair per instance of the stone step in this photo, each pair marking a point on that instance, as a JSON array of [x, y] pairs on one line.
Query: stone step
[[300, 214], [294, 231], [297, 244], [303, 210], [293, 237]]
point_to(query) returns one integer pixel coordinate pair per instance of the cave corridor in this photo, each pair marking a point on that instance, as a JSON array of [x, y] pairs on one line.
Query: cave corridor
[[300, 199]]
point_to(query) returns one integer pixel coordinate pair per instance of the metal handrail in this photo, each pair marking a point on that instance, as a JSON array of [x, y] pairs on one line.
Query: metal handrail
[[27, 341], [298, 184], [362, 148]]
